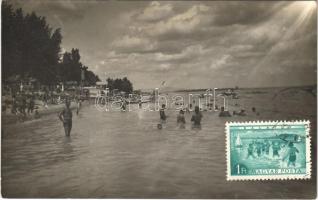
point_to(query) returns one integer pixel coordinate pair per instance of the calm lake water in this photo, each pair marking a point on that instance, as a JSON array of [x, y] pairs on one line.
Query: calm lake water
[[124, 155]]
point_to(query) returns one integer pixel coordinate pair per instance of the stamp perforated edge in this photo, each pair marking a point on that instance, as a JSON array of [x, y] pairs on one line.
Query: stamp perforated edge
[[269, 177]]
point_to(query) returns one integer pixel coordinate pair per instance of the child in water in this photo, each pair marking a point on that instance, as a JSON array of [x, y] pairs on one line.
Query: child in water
[[276, 149], [196, 118], [66, 117], [180, 119], [250, 151], [291, 154]]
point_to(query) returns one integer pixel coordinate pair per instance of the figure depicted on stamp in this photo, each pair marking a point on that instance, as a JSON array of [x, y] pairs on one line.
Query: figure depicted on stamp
[[268, 150]]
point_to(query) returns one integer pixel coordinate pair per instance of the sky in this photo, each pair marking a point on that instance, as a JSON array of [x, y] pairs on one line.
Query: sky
[[190, 44]]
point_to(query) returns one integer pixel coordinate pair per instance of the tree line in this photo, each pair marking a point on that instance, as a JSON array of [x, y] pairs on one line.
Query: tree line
[[32, 49], [120, 84]]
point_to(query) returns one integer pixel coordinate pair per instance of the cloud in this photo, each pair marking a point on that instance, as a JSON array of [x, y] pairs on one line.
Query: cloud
[[155, 12], [205, 43], [225, 14], [187, 54], [67, 4], [164, 67], [183, 23], [130, 43], [221, 62]]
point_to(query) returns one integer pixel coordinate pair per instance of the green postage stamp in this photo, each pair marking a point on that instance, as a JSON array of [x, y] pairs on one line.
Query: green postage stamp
[[268, 150]]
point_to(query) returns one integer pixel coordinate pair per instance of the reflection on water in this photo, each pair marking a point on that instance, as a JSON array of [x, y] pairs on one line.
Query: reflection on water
[[123, 154]]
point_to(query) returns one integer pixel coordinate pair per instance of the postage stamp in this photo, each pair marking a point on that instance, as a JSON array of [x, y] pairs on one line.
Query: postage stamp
[[268, 150]]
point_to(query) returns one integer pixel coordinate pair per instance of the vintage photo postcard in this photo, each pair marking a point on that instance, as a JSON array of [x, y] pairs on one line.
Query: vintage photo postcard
[[159, 99]]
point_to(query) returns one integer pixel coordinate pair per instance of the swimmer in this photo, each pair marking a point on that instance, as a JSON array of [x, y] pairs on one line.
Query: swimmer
[[140, 104], [196, 118], [180, 119], [254, 111], [224, 113], [259, 149], [187, 109], [242, 113], [276, 149], [291, 154], [216, 107], [267, 146], [162, 113], [250, 151], [66, 117]]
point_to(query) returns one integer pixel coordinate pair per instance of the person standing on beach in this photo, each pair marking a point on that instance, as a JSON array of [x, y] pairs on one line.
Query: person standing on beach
[[66, 117], [27, 103], [30, 104], [14, 104], [45, 100], [196, 117], [23, 104]]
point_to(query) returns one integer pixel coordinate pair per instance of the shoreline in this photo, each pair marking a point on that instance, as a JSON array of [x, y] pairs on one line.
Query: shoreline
[[245, 88], [8, 118]]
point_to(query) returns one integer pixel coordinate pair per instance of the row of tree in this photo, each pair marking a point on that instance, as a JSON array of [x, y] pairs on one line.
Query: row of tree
[[32, 49], [71, 69], [120, 84]]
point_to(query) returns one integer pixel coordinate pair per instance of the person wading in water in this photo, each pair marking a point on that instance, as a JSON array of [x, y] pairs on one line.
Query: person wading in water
[[163, 116], [181, 120], [196, 118], [292, 151], [66, 117]]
